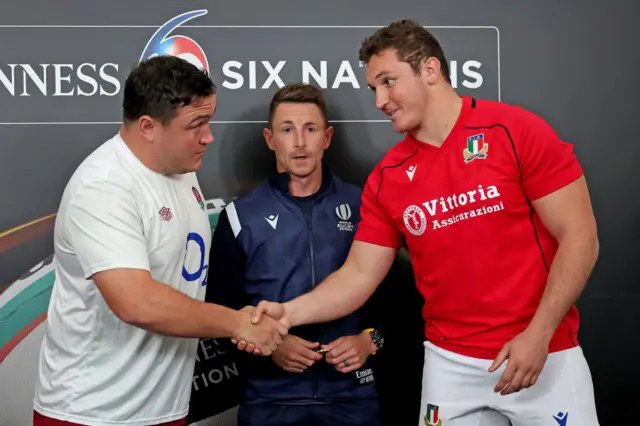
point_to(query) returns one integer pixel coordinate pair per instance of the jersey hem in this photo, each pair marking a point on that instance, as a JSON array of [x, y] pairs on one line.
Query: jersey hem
[[559, 181], [375, 237], [90, 421], [492, 353]]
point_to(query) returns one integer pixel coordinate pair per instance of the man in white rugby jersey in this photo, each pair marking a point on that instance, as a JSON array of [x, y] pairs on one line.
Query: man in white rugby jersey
[[132, 240]]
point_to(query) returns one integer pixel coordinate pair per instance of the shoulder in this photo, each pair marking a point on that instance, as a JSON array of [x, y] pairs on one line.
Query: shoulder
[[514, 117], [99, 178]]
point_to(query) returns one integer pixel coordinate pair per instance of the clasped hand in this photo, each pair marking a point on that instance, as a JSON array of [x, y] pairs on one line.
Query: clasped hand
[[259, 337], [346, 353]]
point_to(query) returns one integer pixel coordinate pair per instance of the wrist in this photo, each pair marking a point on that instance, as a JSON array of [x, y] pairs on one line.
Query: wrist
[[235, 323], [365, 336], [544, 332]]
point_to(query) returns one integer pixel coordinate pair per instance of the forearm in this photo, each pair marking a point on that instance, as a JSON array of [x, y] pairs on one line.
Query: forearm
[[568, 274], [169, 312], [338, 295]]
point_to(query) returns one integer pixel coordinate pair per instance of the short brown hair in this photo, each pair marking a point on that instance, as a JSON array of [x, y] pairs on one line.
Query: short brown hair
[[302, 93], [411, 41]]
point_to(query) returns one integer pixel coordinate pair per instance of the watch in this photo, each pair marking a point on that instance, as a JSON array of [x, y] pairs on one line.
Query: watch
[[377, 339]]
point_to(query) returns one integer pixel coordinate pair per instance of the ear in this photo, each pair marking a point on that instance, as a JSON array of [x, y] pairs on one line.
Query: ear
[[328, 135], [268, 137], [147, 127], [431, 70]]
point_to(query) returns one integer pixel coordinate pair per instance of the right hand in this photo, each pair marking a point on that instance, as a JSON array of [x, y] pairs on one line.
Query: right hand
[[264, 336], [273, 309], [295, 354]]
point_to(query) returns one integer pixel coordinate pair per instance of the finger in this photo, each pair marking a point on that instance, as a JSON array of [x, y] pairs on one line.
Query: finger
[[308, 355], [338, 351], [515, 383], [307, 344], [333, 344], [301, 361], [507, 376], [526, 380], [502, 357], [266, 350], [349, 366], [534, 379], [294, 369], [348, 354]]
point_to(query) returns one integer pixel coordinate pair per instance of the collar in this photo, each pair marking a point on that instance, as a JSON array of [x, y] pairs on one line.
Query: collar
[[281, 182]]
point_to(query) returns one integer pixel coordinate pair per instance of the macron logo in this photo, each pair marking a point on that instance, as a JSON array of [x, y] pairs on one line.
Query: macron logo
[[561, 418], [273, 221], [411, 171]]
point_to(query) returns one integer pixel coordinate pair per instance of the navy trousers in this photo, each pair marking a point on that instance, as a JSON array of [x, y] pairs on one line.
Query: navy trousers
[[352, 413]]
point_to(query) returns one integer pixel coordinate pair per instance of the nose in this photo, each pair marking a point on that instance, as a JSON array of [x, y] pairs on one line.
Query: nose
[[299, 138], [207, 138], [382, 98]]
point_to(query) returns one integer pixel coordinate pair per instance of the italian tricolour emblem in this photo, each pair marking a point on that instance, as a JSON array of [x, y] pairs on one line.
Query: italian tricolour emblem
[[476, 148], [432, 418]]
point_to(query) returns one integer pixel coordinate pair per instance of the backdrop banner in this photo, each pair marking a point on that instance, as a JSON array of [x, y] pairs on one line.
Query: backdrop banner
[[62, 77]]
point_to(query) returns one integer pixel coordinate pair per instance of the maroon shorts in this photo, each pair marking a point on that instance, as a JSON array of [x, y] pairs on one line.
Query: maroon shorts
[[40, 420]]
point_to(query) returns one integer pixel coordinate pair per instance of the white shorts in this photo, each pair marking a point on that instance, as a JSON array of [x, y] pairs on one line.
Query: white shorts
[[458, 391]]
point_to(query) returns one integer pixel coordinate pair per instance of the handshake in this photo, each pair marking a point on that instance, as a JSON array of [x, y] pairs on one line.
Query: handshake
[[262, 328]]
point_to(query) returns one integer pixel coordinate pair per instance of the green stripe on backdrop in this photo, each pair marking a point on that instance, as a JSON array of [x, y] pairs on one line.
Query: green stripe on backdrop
[[25, 307]]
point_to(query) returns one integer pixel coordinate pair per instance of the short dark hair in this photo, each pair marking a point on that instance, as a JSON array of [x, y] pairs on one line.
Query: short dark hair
[[302, 93], [159, 86], [412, 42]]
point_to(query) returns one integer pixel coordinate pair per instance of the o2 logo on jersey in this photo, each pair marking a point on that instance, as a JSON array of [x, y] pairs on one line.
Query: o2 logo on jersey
[[202, 269], [178, 45]]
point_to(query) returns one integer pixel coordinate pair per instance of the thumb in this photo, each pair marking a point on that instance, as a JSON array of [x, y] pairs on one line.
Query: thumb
[[258, 311], [502, 357]]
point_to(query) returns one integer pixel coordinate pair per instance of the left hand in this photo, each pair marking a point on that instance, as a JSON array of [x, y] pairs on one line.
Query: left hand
[[526, 355], [349, 353]]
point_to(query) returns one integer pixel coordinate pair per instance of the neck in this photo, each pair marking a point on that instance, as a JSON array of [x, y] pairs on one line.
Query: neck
[[140, 149], [305, 186], [441, 112]]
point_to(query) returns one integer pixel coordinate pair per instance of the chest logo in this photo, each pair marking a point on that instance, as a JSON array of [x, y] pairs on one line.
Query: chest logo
[[165, 214], [476, 148], [411, 171], [272, 220], [415, 220], [343, 211], [196, 193]]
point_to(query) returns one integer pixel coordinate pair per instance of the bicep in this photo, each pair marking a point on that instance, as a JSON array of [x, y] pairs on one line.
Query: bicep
[[125, 290], [567, 210]]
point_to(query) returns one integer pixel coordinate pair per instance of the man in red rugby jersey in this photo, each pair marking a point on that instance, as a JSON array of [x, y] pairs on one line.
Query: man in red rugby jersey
[[495, 213]]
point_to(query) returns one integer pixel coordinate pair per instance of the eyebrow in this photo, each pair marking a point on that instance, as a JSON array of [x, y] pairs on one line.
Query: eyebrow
[[200, 117], [306, 123]]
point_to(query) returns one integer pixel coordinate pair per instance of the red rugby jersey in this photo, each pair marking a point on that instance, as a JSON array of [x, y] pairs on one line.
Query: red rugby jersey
[[480, 254]]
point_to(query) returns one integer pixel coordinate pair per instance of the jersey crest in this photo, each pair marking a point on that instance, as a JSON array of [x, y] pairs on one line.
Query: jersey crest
[[196, 193], [476, 148]]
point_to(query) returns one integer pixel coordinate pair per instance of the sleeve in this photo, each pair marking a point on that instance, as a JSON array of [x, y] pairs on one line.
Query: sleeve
[[375, 226], [547, 162], [227, 264], [105, 229]]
